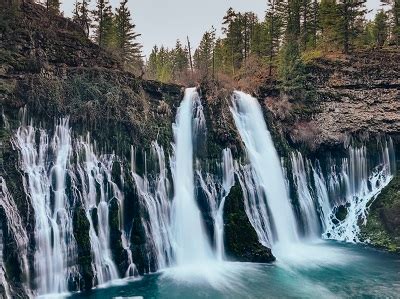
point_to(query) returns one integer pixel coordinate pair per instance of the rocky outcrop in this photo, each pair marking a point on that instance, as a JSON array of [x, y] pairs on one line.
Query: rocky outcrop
[[356, 95], [241, 241], [383, 225]]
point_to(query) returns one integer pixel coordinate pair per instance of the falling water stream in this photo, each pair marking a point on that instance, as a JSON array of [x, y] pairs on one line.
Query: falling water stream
[[62, 172]]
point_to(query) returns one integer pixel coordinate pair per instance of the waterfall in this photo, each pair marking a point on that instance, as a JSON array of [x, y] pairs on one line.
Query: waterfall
[[154, 196], [355, 186], [44, 183], [190, 242], [300, 171], [216, 192], [3, 280], [321, 191], [266, 171], [16, 228], [97, 189], [228, 180]]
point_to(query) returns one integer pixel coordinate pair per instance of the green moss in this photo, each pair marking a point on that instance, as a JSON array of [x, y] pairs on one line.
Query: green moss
[[383, 224], [241, 241], [81, 233]]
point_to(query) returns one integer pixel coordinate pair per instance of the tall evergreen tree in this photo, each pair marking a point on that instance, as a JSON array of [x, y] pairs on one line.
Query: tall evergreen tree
[[181, 60], [203, 56], [394, 19], [151, 66], [328, 18], [349, 11], [53, 6], [380, 28], [81, 15], [103, 17], [275, 19], [126, 37]]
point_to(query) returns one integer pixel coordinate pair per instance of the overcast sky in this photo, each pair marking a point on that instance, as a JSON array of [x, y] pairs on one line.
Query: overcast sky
[[164, 21]]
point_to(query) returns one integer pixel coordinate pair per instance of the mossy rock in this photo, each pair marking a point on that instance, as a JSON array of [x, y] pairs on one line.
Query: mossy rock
[[241, 241], [383, 224]]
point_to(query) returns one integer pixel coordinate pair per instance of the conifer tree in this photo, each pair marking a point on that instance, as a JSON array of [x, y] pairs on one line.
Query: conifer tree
[[81, 15], [328, 18], [275, 17], [394, 19], [350, 11], [380, 29], [180, 60], [203, 56], [103, 17], [151, 66], [53, 6], [126, 37]]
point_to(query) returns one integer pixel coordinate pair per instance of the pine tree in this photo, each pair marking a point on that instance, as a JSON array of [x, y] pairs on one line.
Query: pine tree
[[291, 68], [380, 28], [151, 66], [275, 21], [394, 19], [350, 11], [203, 56], [81, 15], [233, 40], [328, 18], [180, 60], [53, 6], [103, 17], [126, 44], [306, 11]]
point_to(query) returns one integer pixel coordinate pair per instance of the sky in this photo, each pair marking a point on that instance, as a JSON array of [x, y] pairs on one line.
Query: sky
[[162, 22]]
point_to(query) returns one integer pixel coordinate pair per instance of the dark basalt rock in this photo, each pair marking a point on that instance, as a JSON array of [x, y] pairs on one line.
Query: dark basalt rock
[[241, 241], [81, 233]]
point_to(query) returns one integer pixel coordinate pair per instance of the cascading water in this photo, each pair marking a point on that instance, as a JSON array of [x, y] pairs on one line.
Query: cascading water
[[300, 171], [361, 185], [216, 193], [97, 189], [154, 196], [266, 172], [19, 235], [190, 243], [45, 185], [3, 281]]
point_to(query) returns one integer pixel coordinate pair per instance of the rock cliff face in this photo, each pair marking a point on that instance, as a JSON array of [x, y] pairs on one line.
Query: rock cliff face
[[356, 95]]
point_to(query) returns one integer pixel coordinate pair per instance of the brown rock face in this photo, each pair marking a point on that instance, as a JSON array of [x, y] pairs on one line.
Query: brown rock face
[[356, 95]]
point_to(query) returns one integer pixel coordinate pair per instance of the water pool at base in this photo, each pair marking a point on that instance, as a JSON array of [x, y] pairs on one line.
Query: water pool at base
[[322, 270]]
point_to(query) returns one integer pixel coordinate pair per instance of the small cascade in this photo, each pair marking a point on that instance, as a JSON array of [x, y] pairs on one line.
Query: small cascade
[[276, 219], [255, 203], [321, 192], [16, 228], [228, 180], [97, 189], [190, 243], [354, 187], [45, 183], [216, 192], [154, 196], [308, 209], [3, 280]]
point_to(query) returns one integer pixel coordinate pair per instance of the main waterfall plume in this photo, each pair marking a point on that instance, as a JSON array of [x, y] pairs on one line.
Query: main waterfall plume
[[190, 242], [267, 169]]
